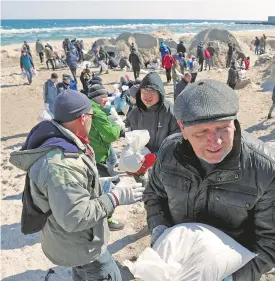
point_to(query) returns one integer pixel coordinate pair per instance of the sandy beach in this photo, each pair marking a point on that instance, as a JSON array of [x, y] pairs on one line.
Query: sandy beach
[[22, 258]]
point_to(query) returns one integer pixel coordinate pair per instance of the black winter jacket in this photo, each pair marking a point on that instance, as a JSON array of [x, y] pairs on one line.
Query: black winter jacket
[[237, 196]]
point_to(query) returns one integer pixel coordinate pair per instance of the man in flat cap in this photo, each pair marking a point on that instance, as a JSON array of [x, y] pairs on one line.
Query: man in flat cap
[[64, 184], [216, 174]]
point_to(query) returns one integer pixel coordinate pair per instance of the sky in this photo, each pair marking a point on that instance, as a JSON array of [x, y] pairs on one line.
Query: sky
[[190, 9]]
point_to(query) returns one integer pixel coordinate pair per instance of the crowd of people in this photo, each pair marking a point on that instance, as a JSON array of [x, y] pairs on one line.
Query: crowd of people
[[207, 169]]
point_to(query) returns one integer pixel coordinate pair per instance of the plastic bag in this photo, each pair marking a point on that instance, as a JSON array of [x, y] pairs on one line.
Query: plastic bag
[[35, 72], [191, 252], [103, 65], [115, 119], [23, 74], [132, 156], [45, 114]]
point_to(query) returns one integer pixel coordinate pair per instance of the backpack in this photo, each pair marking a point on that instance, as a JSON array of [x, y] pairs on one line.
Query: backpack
[[32, 218]]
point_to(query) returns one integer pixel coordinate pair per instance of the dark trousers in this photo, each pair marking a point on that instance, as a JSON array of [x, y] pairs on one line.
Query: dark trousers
[[51, 61], [201, 60], [168, 74], [136, 72], [228, 61], [41, 56], [103, 268], [193, 77], [232, 85], [73, 70]]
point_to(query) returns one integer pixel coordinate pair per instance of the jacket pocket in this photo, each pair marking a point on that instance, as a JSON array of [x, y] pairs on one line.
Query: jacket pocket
[[178, 190]]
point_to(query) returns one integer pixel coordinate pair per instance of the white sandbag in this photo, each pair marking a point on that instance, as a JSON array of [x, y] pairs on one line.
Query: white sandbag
[[44, 115], [35, 72], [191, 252], [132, 156], [23, 75], [142, 71], [115, 119], [85, 64], [103, 65]]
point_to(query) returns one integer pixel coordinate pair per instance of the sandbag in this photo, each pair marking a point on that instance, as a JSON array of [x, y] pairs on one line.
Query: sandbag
[[191, 252], [132, 156], [103, 65]]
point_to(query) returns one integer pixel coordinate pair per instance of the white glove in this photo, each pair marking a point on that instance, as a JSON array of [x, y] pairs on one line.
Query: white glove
[[126, 194], [156, 233]]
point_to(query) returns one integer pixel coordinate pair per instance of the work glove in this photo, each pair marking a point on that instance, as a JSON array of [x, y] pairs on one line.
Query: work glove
[[229, 278], [126, 194], [156, 233]]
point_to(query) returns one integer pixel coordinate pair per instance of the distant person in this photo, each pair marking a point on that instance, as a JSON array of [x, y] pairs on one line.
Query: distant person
[[273, 104], [200, 55], [247, 63], [233, 76], [231, 49], [26, 64], [211, 50], [132, 47], [40, 50], [262, 45], [207, 56], [257, 46], [49, 56], [184, 82], [79, 50], [135, 60], [164, 50], [65, 45], [194, 68], [176, 74], [26, 47], [168, 62], [50, 46], [103, 56], [50, 92], [84, 78], [265, 38], [71, 60], [182, 62], [181, 48], [65, 84]]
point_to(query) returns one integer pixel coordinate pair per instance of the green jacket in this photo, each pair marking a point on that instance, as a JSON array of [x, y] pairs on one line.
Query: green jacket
[[102, 134], [67, 183]]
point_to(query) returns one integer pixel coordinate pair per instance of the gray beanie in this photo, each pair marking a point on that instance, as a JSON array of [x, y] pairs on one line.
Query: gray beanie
[[206, 101], [97, 90], [70, 105]]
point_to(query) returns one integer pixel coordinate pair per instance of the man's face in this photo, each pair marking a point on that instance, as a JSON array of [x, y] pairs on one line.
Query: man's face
[[187, 78], [149, 97], [54, 80], [67, 81], [211, 142], [88, 120]]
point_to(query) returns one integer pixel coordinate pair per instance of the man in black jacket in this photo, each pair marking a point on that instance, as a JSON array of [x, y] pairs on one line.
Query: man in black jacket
[[136, 62], [184, 82], [181, 48], [231, 49], [217, 174]]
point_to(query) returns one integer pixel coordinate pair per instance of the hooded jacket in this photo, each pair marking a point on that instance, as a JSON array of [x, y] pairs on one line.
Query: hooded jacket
[[48, 53], [159, 119], [134, 59], [71, 60], [200, 52], [233, 76], [237, 196], [64, 178], [102, 134]]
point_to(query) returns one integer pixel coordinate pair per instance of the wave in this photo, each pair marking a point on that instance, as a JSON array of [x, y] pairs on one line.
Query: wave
[[102, 27]]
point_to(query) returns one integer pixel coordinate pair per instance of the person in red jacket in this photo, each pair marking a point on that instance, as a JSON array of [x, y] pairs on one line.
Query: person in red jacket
[[247, 63], [168, 62], [207, 56]]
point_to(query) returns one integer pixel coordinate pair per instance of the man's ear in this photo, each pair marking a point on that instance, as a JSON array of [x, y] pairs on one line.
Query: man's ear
[[82, 119], [182, 130]]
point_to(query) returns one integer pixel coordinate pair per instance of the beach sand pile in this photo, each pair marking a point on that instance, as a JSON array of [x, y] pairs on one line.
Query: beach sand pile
[[22, 258]]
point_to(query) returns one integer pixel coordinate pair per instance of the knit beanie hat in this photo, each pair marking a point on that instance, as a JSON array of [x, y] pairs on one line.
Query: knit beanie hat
[[206, 101], [97, 90], [70, 105]]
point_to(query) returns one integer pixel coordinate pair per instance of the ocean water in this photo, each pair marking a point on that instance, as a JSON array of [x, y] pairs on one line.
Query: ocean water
[[16, 31]]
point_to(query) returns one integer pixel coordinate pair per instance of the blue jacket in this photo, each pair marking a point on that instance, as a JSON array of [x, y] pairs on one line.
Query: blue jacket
[[26, 62], [71, 60], [50, 93]]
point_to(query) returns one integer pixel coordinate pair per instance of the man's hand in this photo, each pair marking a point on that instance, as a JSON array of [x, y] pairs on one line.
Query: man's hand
[[156, 233], [126, 194]]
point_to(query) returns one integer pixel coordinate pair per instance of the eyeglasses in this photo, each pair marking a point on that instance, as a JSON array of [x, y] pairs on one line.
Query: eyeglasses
[[148, 91]]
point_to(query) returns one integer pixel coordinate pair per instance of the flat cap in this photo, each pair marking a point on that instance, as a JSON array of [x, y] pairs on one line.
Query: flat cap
[[206, 101]]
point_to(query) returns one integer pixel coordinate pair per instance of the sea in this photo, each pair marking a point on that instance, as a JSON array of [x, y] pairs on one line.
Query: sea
[[17, 31]]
